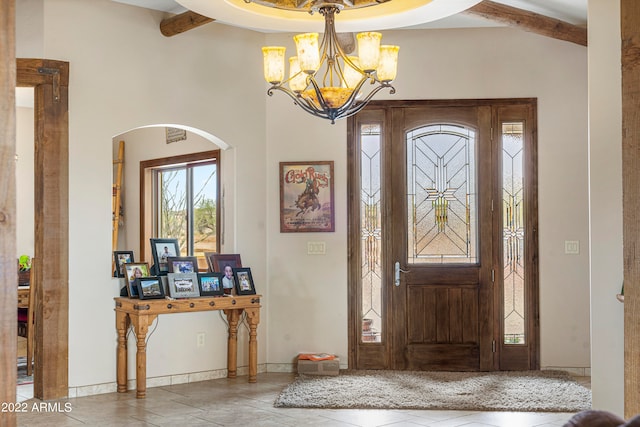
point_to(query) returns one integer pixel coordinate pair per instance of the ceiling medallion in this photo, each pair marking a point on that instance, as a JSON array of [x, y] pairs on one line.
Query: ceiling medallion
[[311, 5]]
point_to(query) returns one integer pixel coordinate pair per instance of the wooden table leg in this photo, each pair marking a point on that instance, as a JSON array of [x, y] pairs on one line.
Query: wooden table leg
[[253, 315], [141, 324], [232, 343], [122, 325]]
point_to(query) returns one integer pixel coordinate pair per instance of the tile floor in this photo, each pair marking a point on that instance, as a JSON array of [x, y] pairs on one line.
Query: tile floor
[[234, 402]]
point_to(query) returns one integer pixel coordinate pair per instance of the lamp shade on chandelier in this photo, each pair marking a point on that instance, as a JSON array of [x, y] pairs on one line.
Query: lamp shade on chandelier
[[323, 80]]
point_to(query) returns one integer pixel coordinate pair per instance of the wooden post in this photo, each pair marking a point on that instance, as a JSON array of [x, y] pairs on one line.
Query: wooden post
[[630, 28], [8, 270], [232, 343]]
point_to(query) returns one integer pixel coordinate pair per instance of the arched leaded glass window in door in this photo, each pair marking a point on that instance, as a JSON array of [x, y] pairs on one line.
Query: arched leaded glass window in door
[[441, 195]]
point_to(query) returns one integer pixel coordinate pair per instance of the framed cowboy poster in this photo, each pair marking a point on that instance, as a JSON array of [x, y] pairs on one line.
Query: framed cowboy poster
[[306, 197]]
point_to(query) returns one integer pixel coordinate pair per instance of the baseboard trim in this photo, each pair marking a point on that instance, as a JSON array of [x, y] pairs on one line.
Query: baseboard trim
[[579, 372], [162, 381]]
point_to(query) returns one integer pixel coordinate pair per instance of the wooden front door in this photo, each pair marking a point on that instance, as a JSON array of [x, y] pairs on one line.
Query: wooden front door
[[435, 252]]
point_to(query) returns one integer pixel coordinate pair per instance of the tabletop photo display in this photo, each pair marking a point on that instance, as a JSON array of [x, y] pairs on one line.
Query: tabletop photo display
[[178, 276]]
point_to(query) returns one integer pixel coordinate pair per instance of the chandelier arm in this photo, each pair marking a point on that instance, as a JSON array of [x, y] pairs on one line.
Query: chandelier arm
[[350, 109], [302, 102]]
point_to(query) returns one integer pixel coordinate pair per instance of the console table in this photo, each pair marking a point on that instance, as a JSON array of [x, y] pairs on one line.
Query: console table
[[142, 313]]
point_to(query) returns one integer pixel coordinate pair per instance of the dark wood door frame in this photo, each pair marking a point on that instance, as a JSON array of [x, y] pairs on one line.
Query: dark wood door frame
[[367, 356], [8, 273], [50, 82]]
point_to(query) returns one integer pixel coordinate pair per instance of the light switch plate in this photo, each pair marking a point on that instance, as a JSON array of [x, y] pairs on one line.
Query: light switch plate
[[572, 247], [316, 248]]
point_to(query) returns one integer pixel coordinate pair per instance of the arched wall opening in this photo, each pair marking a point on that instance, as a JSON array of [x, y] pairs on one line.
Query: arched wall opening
[[149, 142]]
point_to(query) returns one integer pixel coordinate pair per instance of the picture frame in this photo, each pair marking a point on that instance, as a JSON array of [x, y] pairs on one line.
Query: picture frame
[[307, 197], [182, 264], [210, 284], [183, 285], [225, 263], [120, 258], [243, 281], [150, 287], [133, 271], [162, 249], [216, 261]]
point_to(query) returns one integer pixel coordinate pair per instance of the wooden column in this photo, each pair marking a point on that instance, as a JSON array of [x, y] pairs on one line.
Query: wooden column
[[8, 269], [630, 27], [232, 343], [51, 202]]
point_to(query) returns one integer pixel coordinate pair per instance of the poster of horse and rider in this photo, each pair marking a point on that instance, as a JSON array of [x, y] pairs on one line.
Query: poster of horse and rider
[[306, 197]]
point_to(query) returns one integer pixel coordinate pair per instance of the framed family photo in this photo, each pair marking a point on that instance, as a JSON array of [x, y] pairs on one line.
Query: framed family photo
[[225, 263], [210, 284], [150, 287], [183, 285], [184, 264], [216, 262], [133, 271], [121, 258], [306, 197], [162, 249], [244, 281]]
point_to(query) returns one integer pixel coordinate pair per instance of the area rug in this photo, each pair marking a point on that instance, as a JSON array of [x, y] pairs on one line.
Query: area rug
[[530, 391], [22, 377]]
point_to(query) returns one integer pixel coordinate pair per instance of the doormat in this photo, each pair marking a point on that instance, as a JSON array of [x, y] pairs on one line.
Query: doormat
[[526, 391]]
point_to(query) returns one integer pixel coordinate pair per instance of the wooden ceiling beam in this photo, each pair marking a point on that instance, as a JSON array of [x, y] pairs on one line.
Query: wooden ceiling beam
[[183, 22], [530, 21]]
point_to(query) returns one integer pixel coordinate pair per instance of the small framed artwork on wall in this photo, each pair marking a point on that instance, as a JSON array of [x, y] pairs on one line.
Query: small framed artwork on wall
[[306, 197]]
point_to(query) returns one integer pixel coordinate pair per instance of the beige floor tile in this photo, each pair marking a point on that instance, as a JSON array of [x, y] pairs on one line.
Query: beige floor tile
[[234, 402]]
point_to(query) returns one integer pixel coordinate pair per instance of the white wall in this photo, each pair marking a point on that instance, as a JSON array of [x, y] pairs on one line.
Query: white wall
[[447, 64], [125, 74], [605, 209], [24, 179]]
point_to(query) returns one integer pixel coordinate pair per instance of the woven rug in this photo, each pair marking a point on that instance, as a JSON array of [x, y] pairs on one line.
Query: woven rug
[[23, 378], [530, 391]]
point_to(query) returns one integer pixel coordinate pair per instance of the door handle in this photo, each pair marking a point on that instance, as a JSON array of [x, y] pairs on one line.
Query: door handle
[[397, 271]]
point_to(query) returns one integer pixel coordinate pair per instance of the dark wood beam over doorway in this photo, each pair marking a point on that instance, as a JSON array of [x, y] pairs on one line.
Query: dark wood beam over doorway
[[530, 21]]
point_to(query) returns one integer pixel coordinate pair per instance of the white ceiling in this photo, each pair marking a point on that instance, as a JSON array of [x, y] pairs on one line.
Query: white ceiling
[[572, 11]]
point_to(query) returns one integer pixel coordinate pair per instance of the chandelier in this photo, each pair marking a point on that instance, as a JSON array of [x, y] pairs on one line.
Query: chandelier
[[324, 80]]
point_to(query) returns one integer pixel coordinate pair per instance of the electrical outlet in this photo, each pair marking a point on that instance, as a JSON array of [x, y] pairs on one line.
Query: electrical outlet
[[200, 339]]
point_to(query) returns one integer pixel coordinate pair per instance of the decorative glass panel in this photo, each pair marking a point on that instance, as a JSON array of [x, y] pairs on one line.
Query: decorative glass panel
[[441, 195], [371, 232], [513, 231]]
